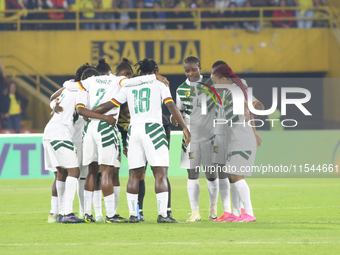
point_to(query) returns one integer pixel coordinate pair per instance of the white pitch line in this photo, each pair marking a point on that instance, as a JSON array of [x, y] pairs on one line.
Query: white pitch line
[[204, 222], [163, 243], [182, 210]]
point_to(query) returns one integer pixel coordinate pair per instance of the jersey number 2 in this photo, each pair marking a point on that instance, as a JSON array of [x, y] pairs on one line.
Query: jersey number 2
[[141, 100]]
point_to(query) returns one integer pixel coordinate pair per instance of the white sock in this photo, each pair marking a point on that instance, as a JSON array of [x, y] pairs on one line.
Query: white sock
[[88, 196], [244, 192], [110, 205], [213, 191], [97, 203], [224, 185], [132, 200], [235, 197], [162, 203], [61, 191], [193, 188], [80, 192], [54, 205], [116, 190], [70, 192]]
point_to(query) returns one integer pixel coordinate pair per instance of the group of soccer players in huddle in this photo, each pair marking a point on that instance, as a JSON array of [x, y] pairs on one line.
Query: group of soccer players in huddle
[[82, 145]]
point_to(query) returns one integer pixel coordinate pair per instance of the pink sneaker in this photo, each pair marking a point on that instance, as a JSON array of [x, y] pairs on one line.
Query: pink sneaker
[[242, 212], [245, 218], [226, 217]]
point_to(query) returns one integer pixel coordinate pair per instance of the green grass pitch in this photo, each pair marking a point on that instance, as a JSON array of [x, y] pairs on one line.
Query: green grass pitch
[[294, 216]]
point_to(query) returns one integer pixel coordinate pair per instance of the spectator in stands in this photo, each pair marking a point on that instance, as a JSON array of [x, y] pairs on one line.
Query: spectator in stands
[[3, 92], [219, 4], [107, 5], [182, 15], [281, 14], [321, 14], [123, 16], [170, 15], [290, 3], [13, 106], [250, 25], [240, 3], [159, 15], [143, 15], [3, 110], [233, 14], [9, 5], [304, 12], [89, 6], [57, 5], [208, 14], [148, 3], [3, 78]]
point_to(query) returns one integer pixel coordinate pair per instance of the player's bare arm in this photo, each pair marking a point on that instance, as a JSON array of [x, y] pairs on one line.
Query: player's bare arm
[[91, 114], [105, 107], [258, 105], [178, 117], [173, 121]]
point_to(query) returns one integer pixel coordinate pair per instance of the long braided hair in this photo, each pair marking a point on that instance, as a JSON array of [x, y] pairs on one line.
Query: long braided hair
[[225, 71]]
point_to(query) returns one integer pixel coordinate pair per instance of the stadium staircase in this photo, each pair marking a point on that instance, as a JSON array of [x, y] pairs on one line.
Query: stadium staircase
[[36, 87]]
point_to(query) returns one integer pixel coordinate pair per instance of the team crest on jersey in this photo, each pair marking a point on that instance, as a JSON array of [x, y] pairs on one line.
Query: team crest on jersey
[[215, 149], [187, 94], [191, 155], [226, 102]]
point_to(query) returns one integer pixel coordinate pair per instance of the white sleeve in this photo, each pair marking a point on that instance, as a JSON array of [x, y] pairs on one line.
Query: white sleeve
[[166, 94], [71, 85], [120, 98], [81, 100], [137, 80]]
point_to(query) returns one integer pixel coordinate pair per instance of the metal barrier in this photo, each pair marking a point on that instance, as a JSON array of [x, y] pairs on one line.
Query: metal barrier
[[75, 18], [14, 71]]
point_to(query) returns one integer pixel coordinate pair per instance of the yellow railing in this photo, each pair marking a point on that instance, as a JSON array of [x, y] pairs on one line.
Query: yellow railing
[[14, 70], [197, 18]]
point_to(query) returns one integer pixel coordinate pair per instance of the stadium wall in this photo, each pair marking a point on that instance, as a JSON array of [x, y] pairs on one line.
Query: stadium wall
[[22, 156], [272, 50]]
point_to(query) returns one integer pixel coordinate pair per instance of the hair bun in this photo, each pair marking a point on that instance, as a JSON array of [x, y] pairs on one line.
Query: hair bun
[[101, 61]]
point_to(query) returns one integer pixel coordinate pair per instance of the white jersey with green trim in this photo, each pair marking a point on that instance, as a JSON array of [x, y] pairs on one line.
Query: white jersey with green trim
[[240, 136], [61, 125], [220, 129], [189, 97], [97, 90], [144, 101], [80, 122]]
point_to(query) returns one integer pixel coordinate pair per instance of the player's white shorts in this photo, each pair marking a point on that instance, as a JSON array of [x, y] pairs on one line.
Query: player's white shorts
[[83, 169], [219, 150], [196, 154], [147, 142], [240, 162], [59, 154], [101, 144]]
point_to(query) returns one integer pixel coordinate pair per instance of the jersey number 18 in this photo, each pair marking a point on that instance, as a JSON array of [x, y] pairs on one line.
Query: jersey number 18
[[141, 100]]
